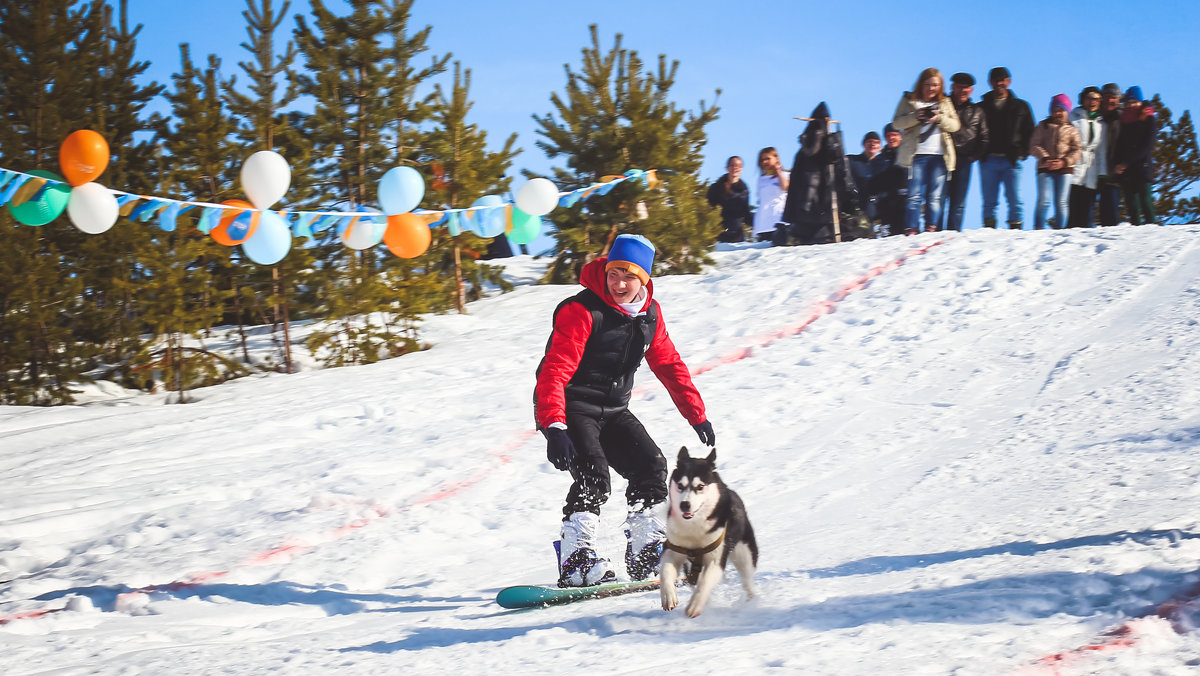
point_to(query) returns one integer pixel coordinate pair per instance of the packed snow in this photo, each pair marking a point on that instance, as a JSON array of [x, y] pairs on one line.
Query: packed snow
[[963, 453]]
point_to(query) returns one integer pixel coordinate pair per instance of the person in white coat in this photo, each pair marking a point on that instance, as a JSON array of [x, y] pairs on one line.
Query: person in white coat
[[772, 194], [1093, 142]]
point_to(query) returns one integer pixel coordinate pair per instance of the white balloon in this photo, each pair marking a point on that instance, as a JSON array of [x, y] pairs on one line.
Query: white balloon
[[364, 232], [538, 197], [266, 177], [92, 208]]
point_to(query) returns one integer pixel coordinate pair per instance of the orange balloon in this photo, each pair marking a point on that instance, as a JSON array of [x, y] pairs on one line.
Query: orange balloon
[[407, 235], [234, 228], [83, 156]]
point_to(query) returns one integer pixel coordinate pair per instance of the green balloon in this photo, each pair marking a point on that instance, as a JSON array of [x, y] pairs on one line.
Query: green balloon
[[48, 206], [525, 227]]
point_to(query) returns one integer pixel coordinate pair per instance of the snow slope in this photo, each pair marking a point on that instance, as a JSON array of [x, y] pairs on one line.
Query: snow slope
[[963, 453]]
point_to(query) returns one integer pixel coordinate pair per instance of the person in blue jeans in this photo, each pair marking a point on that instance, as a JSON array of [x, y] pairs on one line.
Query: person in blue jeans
[[1055, 144], [1010, 124], [970, 141], [926, 118]]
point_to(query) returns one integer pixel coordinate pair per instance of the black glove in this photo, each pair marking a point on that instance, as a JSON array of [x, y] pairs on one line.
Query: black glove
[[707, 436], [559, 448]]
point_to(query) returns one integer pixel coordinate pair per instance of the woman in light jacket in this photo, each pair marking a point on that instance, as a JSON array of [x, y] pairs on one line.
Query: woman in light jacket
[[1055, 144], [926, 118], [1093, 146]]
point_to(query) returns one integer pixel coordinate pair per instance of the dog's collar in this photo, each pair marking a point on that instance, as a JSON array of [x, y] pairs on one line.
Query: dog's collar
[[696, 553]]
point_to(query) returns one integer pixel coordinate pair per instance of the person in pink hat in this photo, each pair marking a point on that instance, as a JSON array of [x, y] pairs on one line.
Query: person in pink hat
[[1055, 145]]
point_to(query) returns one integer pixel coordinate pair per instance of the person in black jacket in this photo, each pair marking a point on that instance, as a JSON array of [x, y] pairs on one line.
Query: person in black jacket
[[1134, 166], [1010, 124], [732, 194], [890, 186], [809, 205], [864, 167], [1109, 186], [970, 141]]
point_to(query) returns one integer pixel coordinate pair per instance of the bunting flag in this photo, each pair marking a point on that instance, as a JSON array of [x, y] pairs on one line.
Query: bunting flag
[[486, 221]]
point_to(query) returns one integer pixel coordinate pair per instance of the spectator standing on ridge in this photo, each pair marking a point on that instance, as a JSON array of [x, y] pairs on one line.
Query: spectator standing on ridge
[[891, 185], [1109, 185], [970, 143], [733, 196], [926, 118], [1055, 145], [1010, 124], [1134, 159], [808, 209], [1092, 163], [865, 167], [772, 194]]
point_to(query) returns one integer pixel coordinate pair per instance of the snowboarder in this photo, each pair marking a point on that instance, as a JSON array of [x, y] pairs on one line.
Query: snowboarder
[[581, 403]]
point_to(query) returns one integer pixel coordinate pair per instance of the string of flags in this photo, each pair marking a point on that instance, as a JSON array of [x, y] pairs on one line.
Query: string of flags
[[264, 233]]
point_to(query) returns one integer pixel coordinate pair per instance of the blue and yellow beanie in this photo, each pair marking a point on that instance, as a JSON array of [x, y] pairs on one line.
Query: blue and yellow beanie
[[633, 253]]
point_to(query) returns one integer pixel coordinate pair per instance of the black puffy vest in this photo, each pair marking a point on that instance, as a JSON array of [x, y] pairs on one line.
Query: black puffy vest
[[603, 382]]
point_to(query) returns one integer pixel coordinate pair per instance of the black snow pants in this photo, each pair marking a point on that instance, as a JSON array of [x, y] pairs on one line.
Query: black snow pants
[[619, 441]]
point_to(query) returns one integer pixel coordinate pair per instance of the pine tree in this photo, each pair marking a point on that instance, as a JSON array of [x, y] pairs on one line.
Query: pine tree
[[264, 125], [617, 116], [1177, 160], [466, 171], [42, 76], [359, 69], [189, 277]]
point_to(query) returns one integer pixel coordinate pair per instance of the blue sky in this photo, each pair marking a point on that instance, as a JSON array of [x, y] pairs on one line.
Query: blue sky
[[771, 61]]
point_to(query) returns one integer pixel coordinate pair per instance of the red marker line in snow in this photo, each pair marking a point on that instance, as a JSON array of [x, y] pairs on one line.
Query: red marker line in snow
[[823, 308], [1127, 635], [292, 548]]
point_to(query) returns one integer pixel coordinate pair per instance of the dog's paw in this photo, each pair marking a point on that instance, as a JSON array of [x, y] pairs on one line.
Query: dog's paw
[[669, 599], [695, 607]]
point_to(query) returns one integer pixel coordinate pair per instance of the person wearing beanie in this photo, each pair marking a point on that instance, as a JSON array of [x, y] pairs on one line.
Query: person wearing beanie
[[581, 405], [1109, 187], [926, 118], [1092, 164], [890, 186], [1133, 157], [1055, 145], [1010, 124], [865, 167], [969, 143]]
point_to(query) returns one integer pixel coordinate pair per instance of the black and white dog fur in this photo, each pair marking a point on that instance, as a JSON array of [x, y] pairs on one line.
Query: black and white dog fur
[[706, 526]]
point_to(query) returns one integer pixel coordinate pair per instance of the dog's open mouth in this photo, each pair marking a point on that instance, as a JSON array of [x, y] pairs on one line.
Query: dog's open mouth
[[687, 515]]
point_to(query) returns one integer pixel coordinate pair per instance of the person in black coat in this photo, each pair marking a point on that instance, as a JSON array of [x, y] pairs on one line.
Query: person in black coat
[[1134, 157], [732, 194], [890, 186], [970, 141], [864, 167], [1010, 125], [809, 206]]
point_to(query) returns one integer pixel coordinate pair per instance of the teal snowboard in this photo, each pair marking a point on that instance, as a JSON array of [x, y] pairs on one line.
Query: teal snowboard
[[537, 596]]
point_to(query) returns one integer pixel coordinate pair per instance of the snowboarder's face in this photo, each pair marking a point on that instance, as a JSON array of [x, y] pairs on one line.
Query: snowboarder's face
[[623, 285]]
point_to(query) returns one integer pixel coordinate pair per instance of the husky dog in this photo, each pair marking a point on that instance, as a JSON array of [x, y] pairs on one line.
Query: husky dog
[[706, 526]]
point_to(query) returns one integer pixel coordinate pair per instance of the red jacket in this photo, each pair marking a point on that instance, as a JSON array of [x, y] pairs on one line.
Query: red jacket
[[573, 326]]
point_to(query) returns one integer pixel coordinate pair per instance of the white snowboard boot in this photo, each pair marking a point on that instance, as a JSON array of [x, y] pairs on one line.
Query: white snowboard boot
[[646, 531], [578, 563]]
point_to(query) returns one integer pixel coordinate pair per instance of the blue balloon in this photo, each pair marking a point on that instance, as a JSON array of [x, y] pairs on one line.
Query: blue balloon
[[271, 241], [489, 222], [401, 190]]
